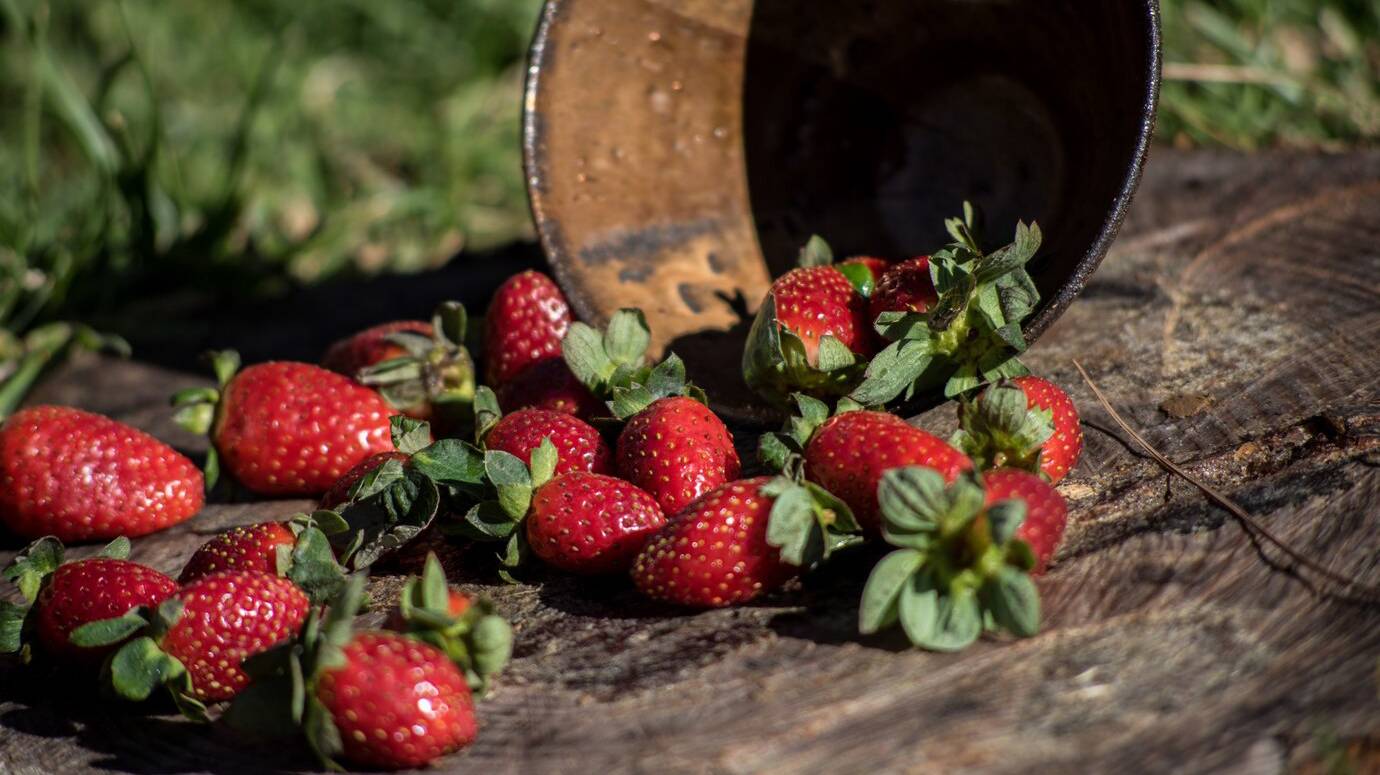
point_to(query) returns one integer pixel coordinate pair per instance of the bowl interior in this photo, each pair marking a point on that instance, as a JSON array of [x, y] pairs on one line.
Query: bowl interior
[[680, 151]]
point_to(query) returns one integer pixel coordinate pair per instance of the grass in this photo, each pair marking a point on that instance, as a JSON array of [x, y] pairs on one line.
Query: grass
[[226, 150]]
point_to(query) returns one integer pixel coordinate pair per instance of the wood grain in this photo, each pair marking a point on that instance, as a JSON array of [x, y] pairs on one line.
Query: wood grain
[[1250, 285]]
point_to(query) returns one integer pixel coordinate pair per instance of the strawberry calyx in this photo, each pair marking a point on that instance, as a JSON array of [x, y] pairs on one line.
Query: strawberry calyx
[[310, 561], [614, 366], [509, 484], [775, 361], [784, 450], [436, 373], [281, 695], [392, 504], [972, 335], [141, 665], [665, 380], [30, 571], [477, 640], [198, 408], [998, 430], [958, 567], [807, 522]]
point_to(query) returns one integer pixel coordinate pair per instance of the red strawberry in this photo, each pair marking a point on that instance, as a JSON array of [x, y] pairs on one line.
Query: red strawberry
[[371, 346], [1061, 451], [81, 477], [396, 702], [812, 302], [849, 452], [714, 553], [339, 492], [549, 384], [1046, 513], [1026, 422], [226, 618], [590, 523], [525, 323], [86, 591], [808, 306], [243, 548], [906, 287], [283, 428], [579, 446], [677, 450]]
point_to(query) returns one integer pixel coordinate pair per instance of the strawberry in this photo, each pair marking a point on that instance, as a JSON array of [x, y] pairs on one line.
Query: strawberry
[[962, 562], [817, 301], [850, 452], [283, 428], [961, 333], [906, 287], [811, 333], [244, 548], [1046, 513], [297, 549], [193, 644], [339, 493], [79, 476], [1027, 423], [476, 639], [718, 552], [589, 523], [397, 703], [421, 369], [66, 596], [381, 700], [578, 445], [524, 324], [227, 617], [372, 346], [549, 384], [676, 449]]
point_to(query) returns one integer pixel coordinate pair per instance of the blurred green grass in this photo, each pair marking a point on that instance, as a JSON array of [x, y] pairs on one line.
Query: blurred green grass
[[231, 150]]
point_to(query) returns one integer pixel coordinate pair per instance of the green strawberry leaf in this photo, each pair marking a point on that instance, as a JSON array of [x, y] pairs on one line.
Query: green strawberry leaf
[[833, 355], [140, 666], [627, 337], [323, 736], [513, 481], [450, 322], [33, 565], [1014, 602], [12, 619], [486, 411], [386, 523], [491, 646], [791, 525], [378, 480], [816, 252], [117, 549], [1004, 518], [860, 277], [409, 435], [918, 606], [108, 632], [893, 370], [313, 567], [544, 461], [486, 521], [583, 350], [958, 624], [878, 608], [451, 462]]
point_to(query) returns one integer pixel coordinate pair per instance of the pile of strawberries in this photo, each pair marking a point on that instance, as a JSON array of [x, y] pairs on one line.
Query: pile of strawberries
[[578, 452]]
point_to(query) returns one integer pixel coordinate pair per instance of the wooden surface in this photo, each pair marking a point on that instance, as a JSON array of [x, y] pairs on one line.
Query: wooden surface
[[1236, 322]]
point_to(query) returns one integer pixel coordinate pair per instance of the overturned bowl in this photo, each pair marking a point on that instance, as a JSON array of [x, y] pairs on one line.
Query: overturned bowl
[[679, 152]]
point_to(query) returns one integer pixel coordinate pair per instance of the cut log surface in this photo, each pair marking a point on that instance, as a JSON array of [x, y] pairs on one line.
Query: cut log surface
[[1236, 322]]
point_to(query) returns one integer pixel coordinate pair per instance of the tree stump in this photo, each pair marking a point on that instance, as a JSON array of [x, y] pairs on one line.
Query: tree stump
[[1235, 323]]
